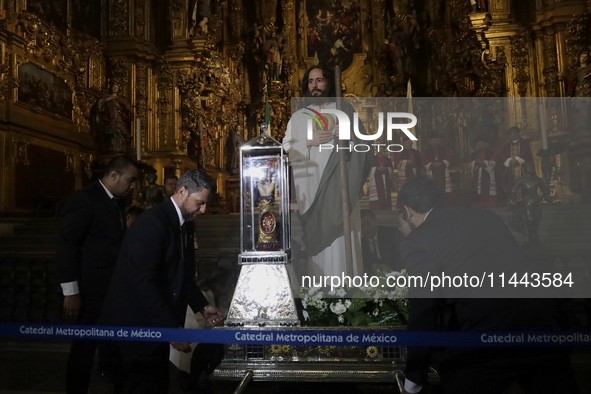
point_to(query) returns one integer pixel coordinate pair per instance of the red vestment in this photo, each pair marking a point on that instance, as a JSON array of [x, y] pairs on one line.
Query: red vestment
[[406, 168], [380, 184], [484, 189], [439, 174]]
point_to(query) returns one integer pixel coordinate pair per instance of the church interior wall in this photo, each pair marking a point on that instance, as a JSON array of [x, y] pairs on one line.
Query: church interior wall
[[195, 85]]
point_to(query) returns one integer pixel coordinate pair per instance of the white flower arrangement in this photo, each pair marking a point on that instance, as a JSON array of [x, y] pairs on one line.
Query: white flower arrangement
[[338, 308], [381, 305]]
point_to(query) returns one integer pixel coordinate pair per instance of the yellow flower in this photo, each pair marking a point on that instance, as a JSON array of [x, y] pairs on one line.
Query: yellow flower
[[276, 348], [285, 348], [323, 349], [372, 351]]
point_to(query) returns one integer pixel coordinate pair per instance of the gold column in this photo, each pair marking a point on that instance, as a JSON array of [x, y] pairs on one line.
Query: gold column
[[499, 9]]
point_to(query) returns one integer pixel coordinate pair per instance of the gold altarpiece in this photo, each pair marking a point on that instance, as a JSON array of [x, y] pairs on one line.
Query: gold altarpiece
[[193, 91]]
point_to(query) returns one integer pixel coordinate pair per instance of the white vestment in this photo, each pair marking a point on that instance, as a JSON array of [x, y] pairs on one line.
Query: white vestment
[[308, 165]]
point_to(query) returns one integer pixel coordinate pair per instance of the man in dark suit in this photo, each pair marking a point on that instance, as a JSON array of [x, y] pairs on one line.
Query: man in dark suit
[[90, 238], [379, 244], [444, 238], [154, 281]]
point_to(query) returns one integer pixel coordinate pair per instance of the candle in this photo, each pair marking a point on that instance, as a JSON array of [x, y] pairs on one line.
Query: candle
[[138, 139], [542, 114]]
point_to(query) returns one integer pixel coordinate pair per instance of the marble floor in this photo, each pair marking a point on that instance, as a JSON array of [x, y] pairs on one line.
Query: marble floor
[[39, 368]]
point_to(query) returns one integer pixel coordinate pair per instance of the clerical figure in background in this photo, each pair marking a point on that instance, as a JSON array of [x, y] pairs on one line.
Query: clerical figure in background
[[408, 163], [482, 167], [515, 153], [380, 183], [436, 160]]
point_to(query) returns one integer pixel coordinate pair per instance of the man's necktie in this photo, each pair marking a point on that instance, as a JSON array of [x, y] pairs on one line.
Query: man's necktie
[[119, 211], [374, 248], [184, 241]]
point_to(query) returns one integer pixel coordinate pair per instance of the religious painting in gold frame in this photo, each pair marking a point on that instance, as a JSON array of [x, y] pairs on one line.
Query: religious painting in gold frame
[[334, 31], [43, 90]]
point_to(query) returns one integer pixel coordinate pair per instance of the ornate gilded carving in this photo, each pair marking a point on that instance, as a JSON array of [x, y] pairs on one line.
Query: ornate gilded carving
[[45, 42], [466, 67], [238, 57], [578, 38], [290, 66], [86, 98], [519, 55], [70, 161], [190, 86], [236, 16], [550, 71], [87, 158], [165, 78], [268, 11], [96, 66], [119, 17], [21, 151], [179, 8], [279, 110], [139, 17], [119, 74], [141, 91], [289, 33], [5, 76]]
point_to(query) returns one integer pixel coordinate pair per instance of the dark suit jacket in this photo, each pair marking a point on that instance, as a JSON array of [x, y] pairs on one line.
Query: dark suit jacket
[[389, 239], [89, 242], [153, 282], [453, 238]]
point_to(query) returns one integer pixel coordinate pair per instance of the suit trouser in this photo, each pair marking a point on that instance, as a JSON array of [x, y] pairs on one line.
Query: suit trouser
[[535, 371], [81, 358], [145, 368]]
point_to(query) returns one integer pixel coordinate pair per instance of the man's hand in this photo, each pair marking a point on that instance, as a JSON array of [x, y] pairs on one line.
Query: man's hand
[[183, 347], [213, 315], [320, 137], [514, 161], [411, 162], [72, 305], [437, 164]]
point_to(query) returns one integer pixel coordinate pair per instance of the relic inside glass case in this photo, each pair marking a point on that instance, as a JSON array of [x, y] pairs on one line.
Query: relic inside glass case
[[265, 209], [263, 294]]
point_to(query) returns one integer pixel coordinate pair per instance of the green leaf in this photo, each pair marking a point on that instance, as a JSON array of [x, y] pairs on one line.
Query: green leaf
[[357, 304]]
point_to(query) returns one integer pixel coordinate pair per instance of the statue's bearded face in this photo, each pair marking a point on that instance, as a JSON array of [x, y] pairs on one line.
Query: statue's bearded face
[[316, 83], [584, 58]]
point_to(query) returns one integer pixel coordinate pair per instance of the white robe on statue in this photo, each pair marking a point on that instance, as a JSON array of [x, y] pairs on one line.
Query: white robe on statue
[[307, 165]]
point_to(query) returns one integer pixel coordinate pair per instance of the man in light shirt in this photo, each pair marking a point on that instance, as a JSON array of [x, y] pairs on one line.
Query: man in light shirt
[[92, 232]]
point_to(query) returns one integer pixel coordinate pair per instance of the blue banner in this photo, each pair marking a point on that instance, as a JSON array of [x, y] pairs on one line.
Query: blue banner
[[299, 336]]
